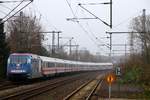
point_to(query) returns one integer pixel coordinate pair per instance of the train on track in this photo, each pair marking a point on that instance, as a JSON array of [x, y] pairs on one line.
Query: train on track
[[29, 66]]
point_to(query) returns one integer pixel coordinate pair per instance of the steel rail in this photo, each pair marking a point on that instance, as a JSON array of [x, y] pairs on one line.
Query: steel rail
[[68, 97], [42, 90], [77, 90], [28, 93], [94, 89]]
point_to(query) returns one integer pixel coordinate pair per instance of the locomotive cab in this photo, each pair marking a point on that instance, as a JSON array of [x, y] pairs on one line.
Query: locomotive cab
[[19, 66]]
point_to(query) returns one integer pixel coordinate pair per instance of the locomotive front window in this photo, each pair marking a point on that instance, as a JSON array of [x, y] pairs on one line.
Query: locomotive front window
[[18, 59]]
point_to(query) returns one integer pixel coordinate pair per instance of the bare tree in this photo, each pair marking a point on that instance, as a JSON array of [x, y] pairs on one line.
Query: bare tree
[[24, 34], [141, 24]]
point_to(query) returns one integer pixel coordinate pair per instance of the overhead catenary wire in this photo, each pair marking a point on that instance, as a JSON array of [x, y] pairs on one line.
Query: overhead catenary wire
[[88, 33], [92, 33], [125, 20], [14, 1], [75, 17], [79, 23], [85, 31], [93, 15], [18, 11], [71, 8], [89, 26], [13, 9], [105, 3], [96, 37]]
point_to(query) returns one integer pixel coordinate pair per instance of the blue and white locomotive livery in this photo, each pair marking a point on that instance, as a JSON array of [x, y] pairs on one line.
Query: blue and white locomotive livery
[[27, 65]]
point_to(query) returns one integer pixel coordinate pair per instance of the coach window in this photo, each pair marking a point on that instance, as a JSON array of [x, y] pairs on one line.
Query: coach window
[[59, 64], [48, 64], [53, 64], [62, 65], [65, 65], [43, 64]]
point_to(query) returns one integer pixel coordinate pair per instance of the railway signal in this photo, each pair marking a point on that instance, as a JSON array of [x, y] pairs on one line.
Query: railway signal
[[110, 79], [118, 71]]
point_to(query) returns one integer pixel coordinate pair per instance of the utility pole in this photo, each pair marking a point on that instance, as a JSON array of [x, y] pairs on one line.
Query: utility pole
[[131, 43], [125, 50], [110, 43], [143, 29], [145, 46], [70, 47], [58, 41], [144, 20], [110, 13], [110, 28], [53, 38], [77, 46], [70, 41], [53, 43]]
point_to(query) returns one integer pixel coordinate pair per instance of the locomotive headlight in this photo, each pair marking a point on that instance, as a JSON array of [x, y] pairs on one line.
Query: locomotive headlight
[[18, 65], [28, 60], [8, 60]]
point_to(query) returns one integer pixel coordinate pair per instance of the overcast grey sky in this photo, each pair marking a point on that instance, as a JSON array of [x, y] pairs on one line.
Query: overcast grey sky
[[54, 13]]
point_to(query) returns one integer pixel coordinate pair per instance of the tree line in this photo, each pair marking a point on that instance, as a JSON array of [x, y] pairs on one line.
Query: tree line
[[139, 59]]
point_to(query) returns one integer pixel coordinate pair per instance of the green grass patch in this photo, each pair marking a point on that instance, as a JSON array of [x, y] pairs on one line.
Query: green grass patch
[[131, 75]]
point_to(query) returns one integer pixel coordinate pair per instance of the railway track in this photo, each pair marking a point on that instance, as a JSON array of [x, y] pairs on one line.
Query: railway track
[[29, 93], [85, 91], [8, 84], [12, 84]]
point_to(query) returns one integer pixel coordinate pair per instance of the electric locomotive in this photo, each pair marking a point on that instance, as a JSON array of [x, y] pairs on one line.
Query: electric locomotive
[[23, 65]]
